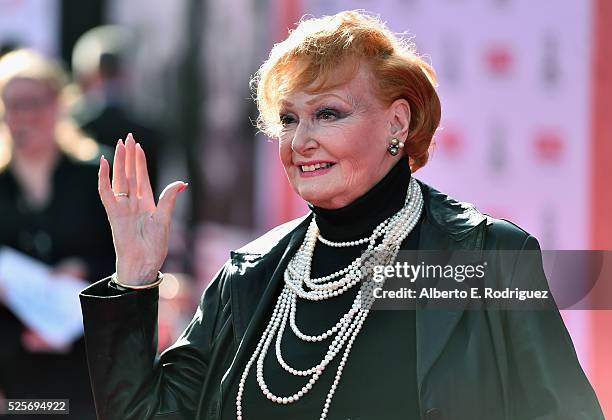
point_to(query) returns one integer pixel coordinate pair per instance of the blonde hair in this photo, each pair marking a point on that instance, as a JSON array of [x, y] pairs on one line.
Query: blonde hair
[[30, 65], [321, 53]]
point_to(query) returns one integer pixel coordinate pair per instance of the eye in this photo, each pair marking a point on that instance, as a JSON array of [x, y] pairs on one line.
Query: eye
[[327, 114], [286, 119]]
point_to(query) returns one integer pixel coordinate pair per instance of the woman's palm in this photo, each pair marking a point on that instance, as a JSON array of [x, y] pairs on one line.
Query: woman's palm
[[140, 228]]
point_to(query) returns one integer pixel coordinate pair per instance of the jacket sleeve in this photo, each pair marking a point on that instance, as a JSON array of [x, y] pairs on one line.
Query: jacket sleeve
[[128, 380], [547, 381]]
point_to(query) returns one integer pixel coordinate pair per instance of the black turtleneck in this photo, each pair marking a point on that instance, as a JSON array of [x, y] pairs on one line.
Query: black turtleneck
[[379, 380], [360, 217]]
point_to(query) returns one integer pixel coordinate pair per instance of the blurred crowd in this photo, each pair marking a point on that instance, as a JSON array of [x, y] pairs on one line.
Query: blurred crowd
[[53, 129]]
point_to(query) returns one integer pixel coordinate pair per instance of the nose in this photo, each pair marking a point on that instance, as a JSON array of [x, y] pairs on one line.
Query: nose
[[303, 141]]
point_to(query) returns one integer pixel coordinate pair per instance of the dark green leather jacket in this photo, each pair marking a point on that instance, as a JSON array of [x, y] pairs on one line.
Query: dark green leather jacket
[[471, 364]]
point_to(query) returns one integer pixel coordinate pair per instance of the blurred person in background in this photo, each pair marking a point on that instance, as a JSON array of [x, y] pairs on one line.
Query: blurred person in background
[[49, 211], [102, 112], [285, 329]]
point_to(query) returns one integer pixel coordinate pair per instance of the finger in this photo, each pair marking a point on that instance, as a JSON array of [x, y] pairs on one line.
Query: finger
[[104, 186], [167, 200], [130, 166], [119, 181], [142, 177]]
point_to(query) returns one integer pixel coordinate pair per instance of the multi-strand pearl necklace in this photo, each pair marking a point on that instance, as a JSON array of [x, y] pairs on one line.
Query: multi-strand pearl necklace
[[299, 284]]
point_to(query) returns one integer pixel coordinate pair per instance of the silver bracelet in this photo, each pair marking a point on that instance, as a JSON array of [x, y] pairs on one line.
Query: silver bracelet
[[160, 278]]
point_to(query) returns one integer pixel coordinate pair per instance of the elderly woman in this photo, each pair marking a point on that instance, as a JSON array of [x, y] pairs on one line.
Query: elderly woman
[[285, 330]]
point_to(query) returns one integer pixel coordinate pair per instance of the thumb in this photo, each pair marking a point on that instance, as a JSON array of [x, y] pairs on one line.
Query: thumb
[[167, 199]]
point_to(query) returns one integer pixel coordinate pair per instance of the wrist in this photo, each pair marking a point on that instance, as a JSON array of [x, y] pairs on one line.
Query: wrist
[[136, 276], [138, 285]]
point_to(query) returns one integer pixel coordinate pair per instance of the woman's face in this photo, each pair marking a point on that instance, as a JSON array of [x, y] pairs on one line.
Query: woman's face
[[31, 111], [333, 144]]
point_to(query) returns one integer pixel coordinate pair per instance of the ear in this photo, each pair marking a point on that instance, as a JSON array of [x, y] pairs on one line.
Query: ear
[[399, 119]]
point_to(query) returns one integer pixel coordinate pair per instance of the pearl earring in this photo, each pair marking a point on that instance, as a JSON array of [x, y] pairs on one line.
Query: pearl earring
[[394, 146]]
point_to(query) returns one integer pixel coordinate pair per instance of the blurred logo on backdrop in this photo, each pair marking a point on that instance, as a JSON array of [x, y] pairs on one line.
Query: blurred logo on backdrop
[[548, 146], [551, 65], [498, 59], [450, 141], [451, 60], [498, 153]]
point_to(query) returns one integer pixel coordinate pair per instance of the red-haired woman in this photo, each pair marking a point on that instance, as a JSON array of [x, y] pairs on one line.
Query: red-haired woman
[[286, 330]]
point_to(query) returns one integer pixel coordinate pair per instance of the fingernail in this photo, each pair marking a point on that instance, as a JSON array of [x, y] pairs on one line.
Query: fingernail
[[102, 158], [183, 187]]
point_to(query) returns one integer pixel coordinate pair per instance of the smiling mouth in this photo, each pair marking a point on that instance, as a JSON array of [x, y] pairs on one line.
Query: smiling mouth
[[316, 166]]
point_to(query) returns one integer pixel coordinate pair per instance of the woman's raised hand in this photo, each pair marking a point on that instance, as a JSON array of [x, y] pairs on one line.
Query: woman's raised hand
[[140, 228]]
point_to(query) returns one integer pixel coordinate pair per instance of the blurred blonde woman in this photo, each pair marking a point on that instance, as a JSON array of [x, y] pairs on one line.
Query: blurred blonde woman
[[50, 212]]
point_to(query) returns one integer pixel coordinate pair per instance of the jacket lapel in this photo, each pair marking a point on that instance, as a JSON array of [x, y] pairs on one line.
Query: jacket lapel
[[448, 225], [251, 297]]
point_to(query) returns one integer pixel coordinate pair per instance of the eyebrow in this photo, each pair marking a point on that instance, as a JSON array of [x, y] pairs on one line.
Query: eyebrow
[[322, 96], [319, 98]]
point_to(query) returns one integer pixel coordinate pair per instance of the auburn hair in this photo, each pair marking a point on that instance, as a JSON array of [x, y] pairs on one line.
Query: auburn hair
[[321, 53]]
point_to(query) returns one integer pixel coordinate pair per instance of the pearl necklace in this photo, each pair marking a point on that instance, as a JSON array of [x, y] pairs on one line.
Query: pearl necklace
[[393, 231]]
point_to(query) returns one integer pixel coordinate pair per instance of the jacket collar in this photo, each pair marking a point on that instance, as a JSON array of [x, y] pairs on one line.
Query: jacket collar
[[266, 257], [455, 218], [452, 218], [447, 225]]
